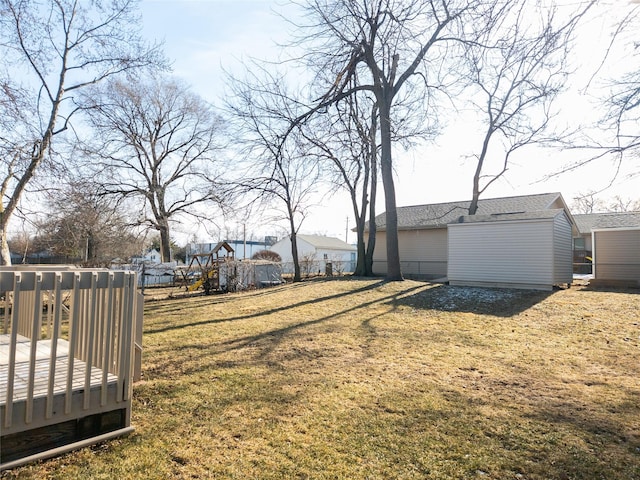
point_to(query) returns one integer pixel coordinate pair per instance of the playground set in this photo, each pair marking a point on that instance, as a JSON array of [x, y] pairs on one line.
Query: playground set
[[205, 270]]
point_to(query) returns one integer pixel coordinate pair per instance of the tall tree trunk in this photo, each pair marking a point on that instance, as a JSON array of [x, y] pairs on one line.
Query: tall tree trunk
[[360, 269], [394, 272], [165, 242], [361, 220], [5, 254], [91, 251], [297, 277], [473, 206], [371, 241], [373, 164]]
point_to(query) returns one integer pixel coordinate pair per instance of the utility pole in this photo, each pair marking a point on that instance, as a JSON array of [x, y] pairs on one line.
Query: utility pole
[[346, 232]]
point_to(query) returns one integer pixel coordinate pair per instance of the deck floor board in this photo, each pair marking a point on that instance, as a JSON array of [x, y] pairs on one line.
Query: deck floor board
[[41, 375]]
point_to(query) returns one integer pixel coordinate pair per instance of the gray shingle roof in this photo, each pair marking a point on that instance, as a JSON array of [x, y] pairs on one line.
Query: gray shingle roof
[[591, 221], [438, 215]]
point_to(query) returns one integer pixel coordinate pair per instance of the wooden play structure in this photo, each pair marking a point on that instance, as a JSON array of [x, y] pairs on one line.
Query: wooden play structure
[[205, 270], [70, 349]]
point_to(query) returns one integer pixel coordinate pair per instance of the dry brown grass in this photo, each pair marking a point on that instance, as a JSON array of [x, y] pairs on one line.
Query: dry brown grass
[[350, 379]]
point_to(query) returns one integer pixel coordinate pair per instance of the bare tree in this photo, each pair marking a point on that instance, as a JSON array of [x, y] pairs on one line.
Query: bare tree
[[56, 50], [622, 204], [518, 69], [345, 140], [587, 203], [264, 112], [613, 135], [157, 142], [81, 223], [623, 114], [401, 52]]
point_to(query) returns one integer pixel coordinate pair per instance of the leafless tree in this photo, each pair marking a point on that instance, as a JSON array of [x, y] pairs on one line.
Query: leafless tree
[[275, 168], [587, 202], [402, 52], [591, 202], [623, 114], [159, 143], [82, 223], [517, 70], [613, 136], [622, 204], [345, 142], [50, 52]]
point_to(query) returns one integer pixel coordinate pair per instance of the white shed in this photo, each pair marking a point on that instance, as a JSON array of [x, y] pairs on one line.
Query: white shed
[[616, 255], [515, 250]]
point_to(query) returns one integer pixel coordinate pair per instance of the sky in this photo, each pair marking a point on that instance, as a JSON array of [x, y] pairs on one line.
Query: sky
[[204, 37]]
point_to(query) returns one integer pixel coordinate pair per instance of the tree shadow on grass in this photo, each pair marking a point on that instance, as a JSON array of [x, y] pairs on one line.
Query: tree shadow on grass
[[608, 447], [610, 289], [501, 302], [266, 342], [263, 313], [269, 339]]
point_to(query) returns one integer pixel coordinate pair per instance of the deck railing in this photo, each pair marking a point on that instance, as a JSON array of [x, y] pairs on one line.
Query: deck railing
[[87, 317]]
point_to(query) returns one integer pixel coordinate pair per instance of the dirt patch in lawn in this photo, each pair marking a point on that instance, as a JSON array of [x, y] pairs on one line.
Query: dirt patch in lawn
[[366, 379]]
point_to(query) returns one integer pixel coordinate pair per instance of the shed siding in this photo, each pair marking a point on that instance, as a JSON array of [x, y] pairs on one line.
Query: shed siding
[[617, 254], [562, 250], [422, 252], [502, 253]]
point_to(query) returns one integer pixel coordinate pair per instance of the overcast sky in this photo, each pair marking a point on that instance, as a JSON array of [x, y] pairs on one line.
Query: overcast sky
[[203, 36]]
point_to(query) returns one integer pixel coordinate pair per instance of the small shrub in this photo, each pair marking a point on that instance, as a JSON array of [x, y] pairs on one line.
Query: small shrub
[[266, 255]]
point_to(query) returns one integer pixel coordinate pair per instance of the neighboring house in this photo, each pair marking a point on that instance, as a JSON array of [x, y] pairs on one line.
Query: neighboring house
[[522, 241], [587, 222], [152, 256], [315, 252], [612, 240]]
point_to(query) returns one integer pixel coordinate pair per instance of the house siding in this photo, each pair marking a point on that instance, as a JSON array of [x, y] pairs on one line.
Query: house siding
[[562, 250], [423, 253], [514, 254], [312, 258], [617, 254]]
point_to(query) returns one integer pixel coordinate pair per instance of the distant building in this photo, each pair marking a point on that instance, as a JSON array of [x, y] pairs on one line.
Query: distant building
[[315, 252], [152, 256], [609, 247], [243, 249]]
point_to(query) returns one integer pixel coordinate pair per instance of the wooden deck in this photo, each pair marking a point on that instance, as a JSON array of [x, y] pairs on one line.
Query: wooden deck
[[66, 360], [42, 379]]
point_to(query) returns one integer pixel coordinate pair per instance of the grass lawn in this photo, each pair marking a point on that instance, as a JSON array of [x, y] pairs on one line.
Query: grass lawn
[[360, 379]]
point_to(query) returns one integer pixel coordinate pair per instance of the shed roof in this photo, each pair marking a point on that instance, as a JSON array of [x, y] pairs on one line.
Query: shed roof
[[591, 221], [329, 243], [439, 215]]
